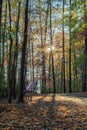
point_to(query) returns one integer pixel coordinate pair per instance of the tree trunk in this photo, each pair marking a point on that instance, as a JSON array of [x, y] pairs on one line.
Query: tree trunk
[[85, 67], [51, 39], [22, 78], [43, 58], [32, 62], [63, 43], [0, 28], [4, 39], [45, 39], [10, 58], [16, 54], [49, 78], [84, 87], [70, 82], [61, 76]]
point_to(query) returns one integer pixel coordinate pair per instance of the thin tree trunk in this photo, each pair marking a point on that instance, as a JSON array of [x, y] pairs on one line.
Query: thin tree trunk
[[0, 28], [49, 78], [70, 82], [10, 58], [63, 43], [16, 53], [75, 73], [51, 38], [61, 75], [22, 78], [4, 38], [32, 62]]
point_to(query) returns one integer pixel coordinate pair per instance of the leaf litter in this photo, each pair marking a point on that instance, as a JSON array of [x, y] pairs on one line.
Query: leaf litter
[[45, 112]]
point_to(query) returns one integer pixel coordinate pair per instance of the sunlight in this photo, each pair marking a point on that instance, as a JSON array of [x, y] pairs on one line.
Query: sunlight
[[51, 48], [48, 98]]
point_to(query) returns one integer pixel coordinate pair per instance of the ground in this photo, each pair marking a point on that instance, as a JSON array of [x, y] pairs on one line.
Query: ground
[[46, 112]]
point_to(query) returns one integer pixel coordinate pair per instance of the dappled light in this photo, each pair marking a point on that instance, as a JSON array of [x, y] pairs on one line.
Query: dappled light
[[44, 112], [43, 64]]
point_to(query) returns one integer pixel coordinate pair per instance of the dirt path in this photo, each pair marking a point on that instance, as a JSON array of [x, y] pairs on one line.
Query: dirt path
[[45, 112], [76, 97]]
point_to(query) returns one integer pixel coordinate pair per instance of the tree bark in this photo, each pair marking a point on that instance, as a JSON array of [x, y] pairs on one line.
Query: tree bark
[[70, 82], [16, 53], [84, 86], [51, 39], [63, 43], [4, 39], [0, 29], [22, 78], [10, 58]]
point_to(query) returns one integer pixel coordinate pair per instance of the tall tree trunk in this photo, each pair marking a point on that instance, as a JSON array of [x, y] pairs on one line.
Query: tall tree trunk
[[70, 82], [29, 53], [0, 28], [42, 46], [4, 39], [51, 39], [10, 58], [86, 60], [85, 67], [22, 78], [46, 23], [16, 53], [84, 87], [63, 43]]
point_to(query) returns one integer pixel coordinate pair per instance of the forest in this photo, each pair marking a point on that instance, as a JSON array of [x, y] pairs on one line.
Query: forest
[[43, 43], [43, 40]]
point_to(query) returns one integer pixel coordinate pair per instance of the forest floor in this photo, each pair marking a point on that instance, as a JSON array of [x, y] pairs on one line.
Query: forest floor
[[46, 112]]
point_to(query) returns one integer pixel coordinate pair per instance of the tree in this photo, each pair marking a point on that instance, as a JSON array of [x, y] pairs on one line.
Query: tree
[[51, 41], [63, 51], [10, 57], [0, 28], [22, 78], [16, 52], [85, 51], [4, 40], [70, 82]]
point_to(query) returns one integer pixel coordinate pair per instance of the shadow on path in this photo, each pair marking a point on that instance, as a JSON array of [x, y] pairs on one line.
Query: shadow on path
[[46, 112]]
